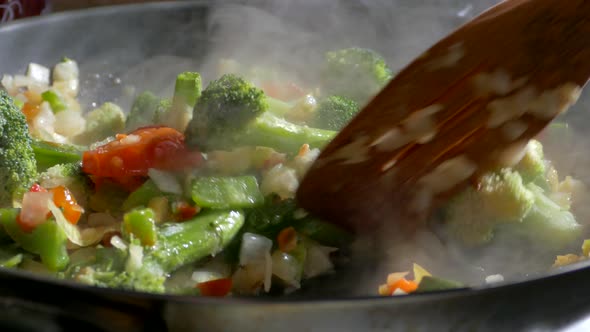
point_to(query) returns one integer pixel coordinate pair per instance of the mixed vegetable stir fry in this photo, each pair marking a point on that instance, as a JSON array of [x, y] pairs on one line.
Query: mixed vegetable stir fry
[[194, 193]]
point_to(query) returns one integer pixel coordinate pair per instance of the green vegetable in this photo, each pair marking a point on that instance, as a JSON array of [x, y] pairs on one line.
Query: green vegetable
[[55, 101], [432, 284], [47, 239], [206, 234], [10, 256], [187, 91], [547, 224], [532, 165], [142, 195], [323, 232], [269, 219], [48, 154], [144, 111], [504, 195], [356, 73], [107, 269], [227, 104], [226, 192], [141, 223], [101, 123], [18, 167], [501, 197], [335, 112], [277, 133], [232, 112]]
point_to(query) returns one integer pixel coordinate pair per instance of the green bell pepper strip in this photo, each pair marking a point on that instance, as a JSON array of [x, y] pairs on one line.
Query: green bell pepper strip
[[141, 223], [187, 242], [226, 192], [54, 100], [47, 240]]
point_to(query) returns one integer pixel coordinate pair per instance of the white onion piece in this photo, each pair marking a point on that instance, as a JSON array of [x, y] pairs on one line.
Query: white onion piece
[[66, 71], [286, 268], [267, 271], [118, 243], [165, 181], [69, 123], [7, 82], [38, 73], [78, 237], [21, 81], [253, 249], [318, 261], [280, 180], [135, 260], [34, 207], [248, 279]]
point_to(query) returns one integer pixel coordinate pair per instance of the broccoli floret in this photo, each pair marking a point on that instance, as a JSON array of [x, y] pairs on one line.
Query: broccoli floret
[[108, 269], [18, 168], [69, 175], [101, 123], [547, 224], [504, 195], [532, 165], [147, 109], [465, 221], [225, 105], [356, 73], [232, 112], [500, 197], [335, 112]]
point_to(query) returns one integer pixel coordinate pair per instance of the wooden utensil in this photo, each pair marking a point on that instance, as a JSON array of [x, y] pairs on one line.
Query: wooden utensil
[[466, 106]]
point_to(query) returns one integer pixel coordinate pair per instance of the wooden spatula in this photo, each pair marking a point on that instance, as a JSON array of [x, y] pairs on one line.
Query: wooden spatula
[[469, 104]]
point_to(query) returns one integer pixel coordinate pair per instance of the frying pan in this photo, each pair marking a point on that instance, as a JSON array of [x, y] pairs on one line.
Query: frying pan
[[109, 41]]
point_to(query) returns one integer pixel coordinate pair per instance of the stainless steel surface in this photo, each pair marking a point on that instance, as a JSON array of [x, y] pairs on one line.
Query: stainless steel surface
[[115, 41]]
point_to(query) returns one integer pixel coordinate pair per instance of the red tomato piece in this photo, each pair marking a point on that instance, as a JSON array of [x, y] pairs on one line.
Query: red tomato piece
[[217, 287], [134, 154]]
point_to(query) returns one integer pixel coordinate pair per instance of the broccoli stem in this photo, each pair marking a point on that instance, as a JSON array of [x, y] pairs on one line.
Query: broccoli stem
[[187, 91], [226, 192], [47, 240], [278, 107], [207, 234], [277, 133], [187, 88], [49, 154]]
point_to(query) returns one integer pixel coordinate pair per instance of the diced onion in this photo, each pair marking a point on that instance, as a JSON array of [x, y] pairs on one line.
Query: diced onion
[[286, 268], [66, 71], [494, 278], [118, 243], [318, 261], [82, 238], [34, 207], [38, 73], [280, 180], [398, 291], [253, 249], [135, 260], [69, 123], [165, 181]]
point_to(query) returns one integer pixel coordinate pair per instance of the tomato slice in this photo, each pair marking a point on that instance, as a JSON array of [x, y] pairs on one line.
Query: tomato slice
[[217, 287], [134, 154]]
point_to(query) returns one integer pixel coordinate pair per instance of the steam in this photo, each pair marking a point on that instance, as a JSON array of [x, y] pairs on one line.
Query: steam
[[292, 36]]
